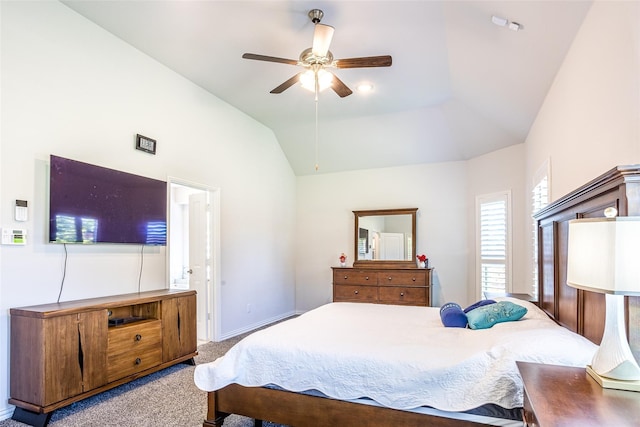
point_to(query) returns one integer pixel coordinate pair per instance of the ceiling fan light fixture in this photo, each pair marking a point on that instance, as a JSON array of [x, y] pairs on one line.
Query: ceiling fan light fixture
[[308, 80], [322, 36]]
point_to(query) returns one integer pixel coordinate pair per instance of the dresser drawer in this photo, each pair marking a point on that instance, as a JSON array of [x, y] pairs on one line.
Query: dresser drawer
[[355, 277], [133, 348], [403, 295], [411, 278], [355, 293]]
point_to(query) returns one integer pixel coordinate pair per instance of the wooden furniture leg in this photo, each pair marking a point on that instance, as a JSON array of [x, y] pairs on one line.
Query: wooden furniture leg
[[32, 418], [214, 417]]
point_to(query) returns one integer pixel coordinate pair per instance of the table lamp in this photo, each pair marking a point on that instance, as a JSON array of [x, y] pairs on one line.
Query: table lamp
[[603, 257]]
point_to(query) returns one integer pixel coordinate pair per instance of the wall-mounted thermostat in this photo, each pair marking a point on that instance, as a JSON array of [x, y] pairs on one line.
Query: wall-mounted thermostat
[[14, 236], [21, 214]]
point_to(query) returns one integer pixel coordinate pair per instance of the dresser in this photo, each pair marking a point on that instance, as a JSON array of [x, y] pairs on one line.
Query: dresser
[[401, 286], [64, 352], [568, 396]]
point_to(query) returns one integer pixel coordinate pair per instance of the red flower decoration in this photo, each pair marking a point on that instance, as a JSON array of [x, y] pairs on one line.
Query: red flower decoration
[[421, 258]]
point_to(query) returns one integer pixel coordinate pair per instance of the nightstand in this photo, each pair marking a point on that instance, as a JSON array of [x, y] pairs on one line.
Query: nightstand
[[562, 396]]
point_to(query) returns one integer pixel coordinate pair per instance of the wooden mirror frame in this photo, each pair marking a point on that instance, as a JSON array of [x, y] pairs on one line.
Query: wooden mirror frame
[[383, 263]]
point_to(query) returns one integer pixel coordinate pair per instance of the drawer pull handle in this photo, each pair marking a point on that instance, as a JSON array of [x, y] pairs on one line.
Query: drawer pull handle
[[346, 277], [389, 277], [138, 361], [138, 337], [414, 279], [366, 278], [355, 292], [401, 294]]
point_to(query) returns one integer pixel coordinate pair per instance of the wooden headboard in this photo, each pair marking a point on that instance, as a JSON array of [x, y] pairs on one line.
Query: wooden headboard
[[581, 311]]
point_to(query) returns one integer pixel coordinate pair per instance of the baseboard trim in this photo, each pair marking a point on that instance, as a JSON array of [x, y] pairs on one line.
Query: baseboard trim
[[6, 412], [255, 326]]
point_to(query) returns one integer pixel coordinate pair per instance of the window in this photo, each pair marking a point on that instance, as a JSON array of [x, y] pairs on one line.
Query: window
[[539, 199], [493, 213]]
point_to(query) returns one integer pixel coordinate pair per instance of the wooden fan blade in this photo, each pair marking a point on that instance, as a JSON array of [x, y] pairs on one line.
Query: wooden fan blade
[[269, 59], [286, 85], [340, 88], [368, 61]]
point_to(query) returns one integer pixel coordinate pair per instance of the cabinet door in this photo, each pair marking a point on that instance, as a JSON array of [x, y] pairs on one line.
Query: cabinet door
[[75, 354], [93, 329], [178, 327]]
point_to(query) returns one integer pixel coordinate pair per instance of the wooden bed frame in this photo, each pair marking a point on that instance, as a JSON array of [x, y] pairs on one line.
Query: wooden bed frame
[[580, 311]]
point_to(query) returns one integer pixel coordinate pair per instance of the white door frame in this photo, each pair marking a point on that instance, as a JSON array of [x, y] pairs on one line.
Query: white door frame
[[214, 323]]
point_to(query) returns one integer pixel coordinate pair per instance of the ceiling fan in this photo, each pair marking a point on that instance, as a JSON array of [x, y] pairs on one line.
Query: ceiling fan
[[317, 58]]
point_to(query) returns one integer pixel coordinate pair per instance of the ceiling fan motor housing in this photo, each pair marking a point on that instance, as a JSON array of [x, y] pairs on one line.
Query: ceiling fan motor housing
[[307, 58]]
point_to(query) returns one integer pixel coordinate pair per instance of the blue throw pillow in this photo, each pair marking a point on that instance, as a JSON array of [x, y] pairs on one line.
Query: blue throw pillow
[[480, 303], [488, 315], [452, 316]]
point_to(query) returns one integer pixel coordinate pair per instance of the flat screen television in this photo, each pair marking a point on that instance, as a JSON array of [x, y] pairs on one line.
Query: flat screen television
[[91, 204]]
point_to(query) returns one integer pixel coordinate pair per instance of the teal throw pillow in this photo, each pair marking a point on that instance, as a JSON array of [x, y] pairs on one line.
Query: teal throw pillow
[[488, 315]]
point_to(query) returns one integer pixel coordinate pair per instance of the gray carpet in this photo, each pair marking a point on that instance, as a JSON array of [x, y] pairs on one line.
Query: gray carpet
[[166, 398]]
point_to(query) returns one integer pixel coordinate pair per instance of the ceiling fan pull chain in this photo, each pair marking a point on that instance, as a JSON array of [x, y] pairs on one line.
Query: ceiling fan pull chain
[[316, 149]]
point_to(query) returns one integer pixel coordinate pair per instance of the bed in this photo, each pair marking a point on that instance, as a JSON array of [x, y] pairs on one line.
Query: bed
[[344, 363], [578, 312]]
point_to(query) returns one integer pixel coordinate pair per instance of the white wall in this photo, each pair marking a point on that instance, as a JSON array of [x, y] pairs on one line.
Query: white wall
[[502, 170], [590, 120], [70, 88], [325, 225]]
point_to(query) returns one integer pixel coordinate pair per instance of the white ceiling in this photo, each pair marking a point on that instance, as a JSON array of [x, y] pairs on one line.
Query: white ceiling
[[459, 85]]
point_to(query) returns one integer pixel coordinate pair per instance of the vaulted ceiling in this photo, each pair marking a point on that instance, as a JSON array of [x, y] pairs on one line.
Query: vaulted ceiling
[[460, 86]]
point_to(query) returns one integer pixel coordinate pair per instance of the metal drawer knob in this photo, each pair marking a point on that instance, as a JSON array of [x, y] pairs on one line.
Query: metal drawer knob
[[355, 292], [138, 361], [401, 294], [138, 337], [346, 277], [366, 278], [414, 279], [389, 277]]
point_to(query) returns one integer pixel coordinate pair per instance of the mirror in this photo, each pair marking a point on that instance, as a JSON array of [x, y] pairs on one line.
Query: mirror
[[385, 238]]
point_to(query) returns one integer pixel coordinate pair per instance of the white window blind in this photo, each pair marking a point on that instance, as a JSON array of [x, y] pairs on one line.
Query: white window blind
[[539, 199], [494, 249]]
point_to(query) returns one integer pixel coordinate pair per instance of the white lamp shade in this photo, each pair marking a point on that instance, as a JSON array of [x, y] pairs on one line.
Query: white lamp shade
[[603, 255]]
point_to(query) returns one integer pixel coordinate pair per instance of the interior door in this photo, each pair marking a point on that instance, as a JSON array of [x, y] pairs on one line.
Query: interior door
[[392, 246], [199, 274]]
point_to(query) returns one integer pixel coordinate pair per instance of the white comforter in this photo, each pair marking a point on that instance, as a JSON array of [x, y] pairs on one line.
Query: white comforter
[[401, 357]]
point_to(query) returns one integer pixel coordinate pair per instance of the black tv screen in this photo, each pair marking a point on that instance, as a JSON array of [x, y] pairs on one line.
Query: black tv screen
[[92, 204]]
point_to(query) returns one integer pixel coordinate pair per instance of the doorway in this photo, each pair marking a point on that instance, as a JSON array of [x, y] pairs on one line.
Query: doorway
[[193, 251]]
